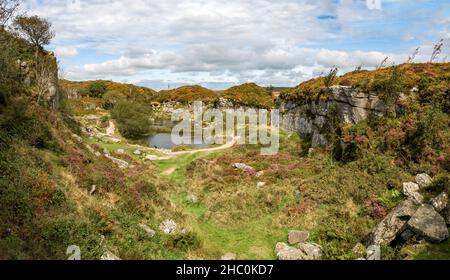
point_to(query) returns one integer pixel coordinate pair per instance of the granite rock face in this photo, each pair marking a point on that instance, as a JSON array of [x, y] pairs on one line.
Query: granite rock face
[[353, 106]]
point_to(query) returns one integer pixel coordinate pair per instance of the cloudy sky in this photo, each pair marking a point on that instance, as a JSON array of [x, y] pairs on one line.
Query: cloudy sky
[[218, 43]]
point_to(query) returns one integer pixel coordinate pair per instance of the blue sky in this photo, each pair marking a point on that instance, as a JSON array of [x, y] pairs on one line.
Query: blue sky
[[220, 43]]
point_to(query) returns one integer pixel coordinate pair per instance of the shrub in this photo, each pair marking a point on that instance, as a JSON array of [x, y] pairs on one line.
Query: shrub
[[133, 119], [97, 90], [110, 99]]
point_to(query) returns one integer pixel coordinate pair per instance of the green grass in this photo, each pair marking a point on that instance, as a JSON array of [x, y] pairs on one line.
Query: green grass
[[435, 252]]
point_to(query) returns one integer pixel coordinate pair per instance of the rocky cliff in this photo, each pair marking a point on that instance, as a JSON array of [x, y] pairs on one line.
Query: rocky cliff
[[42, 78], [310, 120]]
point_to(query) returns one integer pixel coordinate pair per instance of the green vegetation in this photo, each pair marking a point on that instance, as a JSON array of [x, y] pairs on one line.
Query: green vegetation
[[249, 95], [97, 90], [133, 119], [186, 94]]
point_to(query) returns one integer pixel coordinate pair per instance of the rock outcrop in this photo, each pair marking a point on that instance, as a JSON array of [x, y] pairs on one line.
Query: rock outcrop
[[394, 223], [423, 180], [411, 190], [427, 223], [296, 237], [352, 105], [302, 251], [413, 219]]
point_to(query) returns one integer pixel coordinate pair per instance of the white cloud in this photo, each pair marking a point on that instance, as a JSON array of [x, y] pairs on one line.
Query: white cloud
[[243, 40], [66, 51]]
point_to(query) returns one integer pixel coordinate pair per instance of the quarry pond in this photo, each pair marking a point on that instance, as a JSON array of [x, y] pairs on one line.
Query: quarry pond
[[162, 137]]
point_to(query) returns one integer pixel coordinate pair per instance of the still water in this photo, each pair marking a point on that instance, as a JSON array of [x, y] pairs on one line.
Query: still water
[[164, 140]]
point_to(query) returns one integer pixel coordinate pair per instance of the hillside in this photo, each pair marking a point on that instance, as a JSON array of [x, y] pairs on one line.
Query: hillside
[[249, 95], [425, 77], [187, 94]]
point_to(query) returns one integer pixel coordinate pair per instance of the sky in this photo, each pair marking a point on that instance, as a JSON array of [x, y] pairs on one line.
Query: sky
[[220, 43]]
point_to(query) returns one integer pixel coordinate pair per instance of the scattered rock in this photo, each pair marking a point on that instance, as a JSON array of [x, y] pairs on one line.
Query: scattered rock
[[121, 163], [427, 223], [121, 151], [440, 202], [150, 232], [312, 251], [394, 223], [261, 185], [259, 174], [105, 151], [287, 253], [168, 226], [93, 189], [244, 167], [311, 152], [137, 152], [296, 237], [412, 190], [423, 180], [108, 256], [374, 253], [150, 158], [192, 199], [228, 257]]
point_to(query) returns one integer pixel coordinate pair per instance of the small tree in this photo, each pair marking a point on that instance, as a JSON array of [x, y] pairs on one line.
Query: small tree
[[36, 30], [391, 88], [97, 90], [329, 79]]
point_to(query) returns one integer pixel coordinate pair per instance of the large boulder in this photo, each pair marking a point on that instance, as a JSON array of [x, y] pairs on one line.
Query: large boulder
[[394, 223], [287, 253], [411, 190], [427, 223], [303, 251], [312, 251], [440, 202], [423, 180], [296, 236]]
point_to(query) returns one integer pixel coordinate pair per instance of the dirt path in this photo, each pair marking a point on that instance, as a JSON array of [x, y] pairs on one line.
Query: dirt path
[[111, 130], [169, 171], [170, 155]]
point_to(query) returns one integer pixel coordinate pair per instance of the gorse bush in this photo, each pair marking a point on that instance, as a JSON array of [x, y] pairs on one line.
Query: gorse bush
[[133, 119], [97, 90]]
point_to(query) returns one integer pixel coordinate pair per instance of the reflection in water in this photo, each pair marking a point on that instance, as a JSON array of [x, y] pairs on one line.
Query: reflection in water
[[164, 141]]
